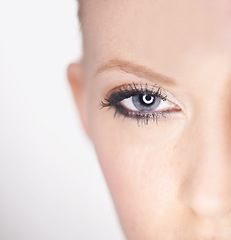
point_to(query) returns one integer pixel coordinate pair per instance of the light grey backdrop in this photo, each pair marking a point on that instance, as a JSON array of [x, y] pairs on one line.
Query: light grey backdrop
[[51, 186]]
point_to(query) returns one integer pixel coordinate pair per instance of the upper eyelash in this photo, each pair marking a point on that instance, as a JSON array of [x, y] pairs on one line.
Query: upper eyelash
[[125, 91], [130, 90]]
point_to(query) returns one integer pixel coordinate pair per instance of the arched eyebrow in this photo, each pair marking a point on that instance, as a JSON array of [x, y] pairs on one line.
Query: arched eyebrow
[[133, 68]]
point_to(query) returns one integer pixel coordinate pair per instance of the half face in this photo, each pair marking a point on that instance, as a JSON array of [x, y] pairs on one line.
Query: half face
[[156, 103]]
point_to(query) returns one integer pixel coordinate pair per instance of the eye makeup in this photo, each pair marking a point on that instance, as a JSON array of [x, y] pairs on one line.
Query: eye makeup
[[140, 102]]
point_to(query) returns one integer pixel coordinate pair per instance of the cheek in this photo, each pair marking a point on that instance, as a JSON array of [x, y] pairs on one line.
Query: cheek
[[141, 168]]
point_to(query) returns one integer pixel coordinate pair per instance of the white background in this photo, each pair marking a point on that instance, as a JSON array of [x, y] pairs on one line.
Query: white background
[[51, 186]]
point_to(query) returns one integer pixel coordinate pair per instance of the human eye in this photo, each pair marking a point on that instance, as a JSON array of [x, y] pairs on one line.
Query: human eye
[[141, 102]]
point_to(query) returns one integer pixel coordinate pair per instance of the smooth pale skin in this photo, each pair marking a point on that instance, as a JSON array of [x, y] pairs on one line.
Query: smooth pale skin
[[170, 180]]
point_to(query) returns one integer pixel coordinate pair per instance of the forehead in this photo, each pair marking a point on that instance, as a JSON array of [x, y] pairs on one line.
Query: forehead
[[155, 32]]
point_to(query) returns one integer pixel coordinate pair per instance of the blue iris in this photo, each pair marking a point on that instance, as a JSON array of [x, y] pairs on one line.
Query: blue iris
[[146, 102]]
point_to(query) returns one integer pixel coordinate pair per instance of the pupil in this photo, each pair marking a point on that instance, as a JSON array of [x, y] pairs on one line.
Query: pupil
[[148, 97], [146, 100]]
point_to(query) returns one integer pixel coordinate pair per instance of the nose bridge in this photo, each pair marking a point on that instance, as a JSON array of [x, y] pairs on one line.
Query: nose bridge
[[207, 186]]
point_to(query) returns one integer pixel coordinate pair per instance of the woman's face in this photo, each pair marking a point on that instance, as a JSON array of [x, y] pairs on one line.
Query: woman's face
[[154, 94]]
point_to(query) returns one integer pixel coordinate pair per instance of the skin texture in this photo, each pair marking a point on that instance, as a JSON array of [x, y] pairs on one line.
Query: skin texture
[[170, 180]]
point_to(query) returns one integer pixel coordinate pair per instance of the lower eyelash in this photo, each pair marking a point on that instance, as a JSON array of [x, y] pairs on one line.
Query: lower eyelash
[[143, 118]]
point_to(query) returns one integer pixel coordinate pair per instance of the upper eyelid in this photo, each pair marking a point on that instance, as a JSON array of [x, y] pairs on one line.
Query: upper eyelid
[[136, 87], [168, 93], [119, 93]]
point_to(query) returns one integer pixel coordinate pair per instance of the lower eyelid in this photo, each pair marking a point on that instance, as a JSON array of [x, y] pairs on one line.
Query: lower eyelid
[[143, 118]]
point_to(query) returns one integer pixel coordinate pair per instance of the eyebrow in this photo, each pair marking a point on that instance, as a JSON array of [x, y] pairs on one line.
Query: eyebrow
[[132, 68]]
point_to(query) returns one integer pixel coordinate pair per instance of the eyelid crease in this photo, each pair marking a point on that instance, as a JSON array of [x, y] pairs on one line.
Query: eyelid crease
[[135, 69]]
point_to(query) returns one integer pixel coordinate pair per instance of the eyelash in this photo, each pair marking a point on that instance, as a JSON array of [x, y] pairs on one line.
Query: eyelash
[[130, 90]]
